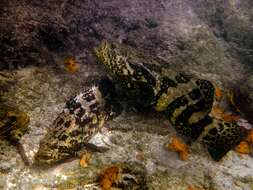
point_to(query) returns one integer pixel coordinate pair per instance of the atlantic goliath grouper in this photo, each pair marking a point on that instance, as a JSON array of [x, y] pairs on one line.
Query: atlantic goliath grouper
[[185, 100]]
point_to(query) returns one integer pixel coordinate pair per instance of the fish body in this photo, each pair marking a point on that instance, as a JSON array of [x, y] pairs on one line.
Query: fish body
[[82, 117], [185, 99]]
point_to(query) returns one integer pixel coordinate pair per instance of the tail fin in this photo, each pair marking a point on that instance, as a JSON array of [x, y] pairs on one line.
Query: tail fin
[[223, 137]]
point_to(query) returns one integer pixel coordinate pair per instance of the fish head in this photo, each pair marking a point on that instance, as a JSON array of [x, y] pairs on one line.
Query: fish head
[[129, 69]]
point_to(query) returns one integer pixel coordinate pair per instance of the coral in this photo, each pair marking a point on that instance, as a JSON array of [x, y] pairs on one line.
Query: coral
[[70, 65], [178, 146], [243, 148], [230, 117], [219, 113], [126, 175], [109, 176], [218, 93], [85, 159]]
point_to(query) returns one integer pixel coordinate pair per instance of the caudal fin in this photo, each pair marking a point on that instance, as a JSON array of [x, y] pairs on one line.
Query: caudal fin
[[222, 138]]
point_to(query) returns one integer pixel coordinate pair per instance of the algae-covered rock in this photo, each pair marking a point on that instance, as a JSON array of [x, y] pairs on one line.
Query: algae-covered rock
[[13, 123], [128, 175], [244, 97], [212, 39]]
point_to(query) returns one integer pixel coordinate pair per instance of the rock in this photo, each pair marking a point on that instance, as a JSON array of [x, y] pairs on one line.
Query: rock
[[13, 123], [244, 97], [211, 39]]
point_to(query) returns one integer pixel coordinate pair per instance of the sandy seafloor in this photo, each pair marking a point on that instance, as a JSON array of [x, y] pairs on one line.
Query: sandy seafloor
[[131, 137]]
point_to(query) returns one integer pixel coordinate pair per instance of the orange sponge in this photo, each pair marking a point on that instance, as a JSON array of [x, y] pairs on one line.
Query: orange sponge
[[218, 93], [85, 159], [177, 145], [249, 138], [109, 176], [219, 113], [243, 148], [70, 64]]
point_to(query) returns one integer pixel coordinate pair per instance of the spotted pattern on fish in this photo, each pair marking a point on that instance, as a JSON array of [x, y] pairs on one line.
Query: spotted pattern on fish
[[185, 99], [82, 117]]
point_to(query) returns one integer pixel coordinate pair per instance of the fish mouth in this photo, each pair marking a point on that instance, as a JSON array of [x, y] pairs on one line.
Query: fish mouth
[[46, 158], [42, 159]]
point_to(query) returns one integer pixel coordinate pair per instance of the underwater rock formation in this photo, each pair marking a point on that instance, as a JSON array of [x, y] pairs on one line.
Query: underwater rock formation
[[211, 39], [13, 123]]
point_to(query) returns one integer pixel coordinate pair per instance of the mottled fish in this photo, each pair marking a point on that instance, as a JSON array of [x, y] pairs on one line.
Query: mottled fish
[[82, 117], [185, 99]]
